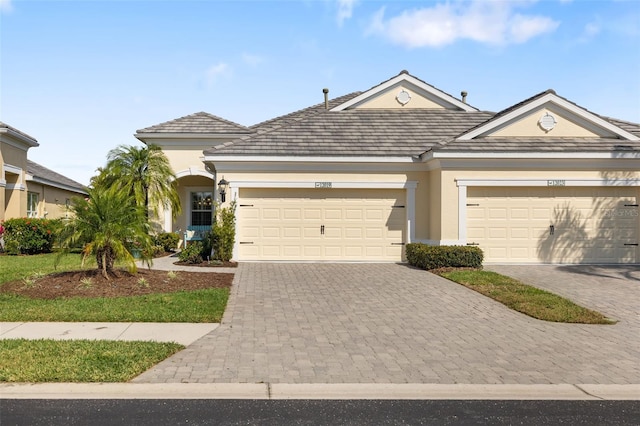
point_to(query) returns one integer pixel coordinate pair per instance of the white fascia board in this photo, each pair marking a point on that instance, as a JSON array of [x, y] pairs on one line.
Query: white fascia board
[[534, 155], [334, 184], [552, 182], [412, 80], [22, 144], [53, 184], [305, 159], [556, 100], [20, 139]]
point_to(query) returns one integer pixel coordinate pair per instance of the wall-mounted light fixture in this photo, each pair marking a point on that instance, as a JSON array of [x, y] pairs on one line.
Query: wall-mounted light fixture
[[222, 188]]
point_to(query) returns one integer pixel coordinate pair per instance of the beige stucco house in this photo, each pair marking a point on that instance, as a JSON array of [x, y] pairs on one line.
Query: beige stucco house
[[358, 177], [28, 189]]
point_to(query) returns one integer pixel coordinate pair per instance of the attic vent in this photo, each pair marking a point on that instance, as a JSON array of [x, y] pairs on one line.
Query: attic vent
[[403, 97], [547, 122]]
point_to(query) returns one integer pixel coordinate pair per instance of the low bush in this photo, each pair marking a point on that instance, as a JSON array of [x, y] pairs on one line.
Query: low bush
[[192, 253], [168, 240], [428, 257], [217, 243], [29, 235]]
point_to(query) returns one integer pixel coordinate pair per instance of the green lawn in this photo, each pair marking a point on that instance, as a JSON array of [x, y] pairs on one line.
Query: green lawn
[[185, 306], [79, 360], [14, 268], [523, 298]]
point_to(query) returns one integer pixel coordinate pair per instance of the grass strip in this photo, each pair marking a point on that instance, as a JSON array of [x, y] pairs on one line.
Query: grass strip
[[524, 298], [79, 360], [184, 306], [14, 268]]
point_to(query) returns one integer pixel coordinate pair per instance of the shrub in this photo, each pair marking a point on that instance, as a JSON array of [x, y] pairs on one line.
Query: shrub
[[224, 233], [192, 253], [433, 257], [29, 235], [168, 240]]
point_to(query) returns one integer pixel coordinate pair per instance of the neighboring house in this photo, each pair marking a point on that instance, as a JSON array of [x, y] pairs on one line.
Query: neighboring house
[[28, 189], [358, 177]]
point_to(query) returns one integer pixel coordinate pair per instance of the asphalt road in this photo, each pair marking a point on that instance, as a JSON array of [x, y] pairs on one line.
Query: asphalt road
[[316, 412]]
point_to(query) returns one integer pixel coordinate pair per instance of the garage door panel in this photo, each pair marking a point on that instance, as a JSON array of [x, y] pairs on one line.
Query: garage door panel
[[267, 232], [271, 214], [590, 225], [322, 224]]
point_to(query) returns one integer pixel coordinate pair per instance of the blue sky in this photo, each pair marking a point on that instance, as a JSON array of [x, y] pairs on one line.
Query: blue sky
[[82, 76]]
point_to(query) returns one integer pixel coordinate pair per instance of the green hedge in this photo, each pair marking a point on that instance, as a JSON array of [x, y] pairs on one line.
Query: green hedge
[[30, 236], [433, 257], [168, 240]]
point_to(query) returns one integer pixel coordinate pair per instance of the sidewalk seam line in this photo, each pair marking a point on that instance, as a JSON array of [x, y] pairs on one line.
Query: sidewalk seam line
[[124, 331]]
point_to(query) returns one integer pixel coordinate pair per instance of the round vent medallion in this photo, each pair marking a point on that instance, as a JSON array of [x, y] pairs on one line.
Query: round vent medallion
[[547, 122], [403, 97]]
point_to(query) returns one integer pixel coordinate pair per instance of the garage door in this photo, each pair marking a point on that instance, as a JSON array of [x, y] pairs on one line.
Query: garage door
[[555, 225], [321, 224]]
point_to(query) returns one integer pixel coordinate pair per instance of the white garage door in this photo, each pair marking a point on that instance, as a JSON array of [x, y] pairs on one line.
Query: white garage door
[[555, 225], [321, 224]]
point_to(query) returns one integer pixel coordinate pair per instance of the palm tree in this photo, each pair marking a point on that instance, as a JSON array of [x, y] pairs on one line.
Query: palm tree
[[146, 173], [109, 223]]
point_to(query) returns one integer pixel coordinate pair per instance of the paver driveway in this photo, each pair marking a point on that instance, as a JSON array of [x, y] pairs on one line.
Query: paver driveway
[[387, 323]]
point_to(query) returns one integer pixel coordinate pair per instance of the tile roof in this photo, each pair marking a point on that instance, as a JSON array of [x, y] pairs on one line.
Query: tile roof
[[301, 114], [52, 178], [200, 122], [370, 132]]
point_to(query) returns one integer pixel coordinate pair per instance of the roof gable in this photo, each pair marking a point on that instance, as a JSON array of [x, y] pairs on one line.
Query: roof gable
[[547, 116], [198, 123], [404, 91]]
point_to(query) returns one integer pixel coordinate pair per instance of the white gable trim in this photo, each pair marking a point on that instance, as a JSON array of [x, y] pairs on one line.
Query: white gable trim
[[302, 159], [421, 85], [534, 155], [540, 102]]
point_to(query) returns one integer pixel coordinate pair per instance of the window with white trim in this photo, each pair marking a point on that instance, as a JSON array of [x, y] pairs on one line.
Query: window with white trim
[[32, 204]]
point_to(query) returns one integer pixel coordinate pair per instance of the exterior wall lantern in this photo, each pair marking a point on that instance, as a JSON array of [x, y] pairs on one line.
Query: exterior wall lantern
[[222, 188]]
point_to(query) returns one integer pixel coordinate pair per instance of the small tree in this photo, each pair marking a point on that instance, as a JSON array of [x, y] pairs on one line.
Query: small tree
[[146, 173], [109, 224]]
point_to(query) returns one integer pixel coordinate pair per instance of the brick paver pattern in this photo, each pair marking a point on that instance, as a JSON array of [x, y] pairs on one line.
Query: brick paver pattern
[[390, 323]]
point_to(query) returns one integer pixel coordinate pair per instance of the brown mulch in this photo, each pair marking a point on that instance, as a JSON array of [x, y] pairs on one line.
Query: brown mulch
[[121, 283]]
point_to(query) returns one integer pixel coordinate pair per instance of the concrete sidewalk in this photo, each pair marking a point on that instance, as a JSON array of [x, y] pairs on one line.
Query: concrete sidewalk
[[183, 333], [316, 391]]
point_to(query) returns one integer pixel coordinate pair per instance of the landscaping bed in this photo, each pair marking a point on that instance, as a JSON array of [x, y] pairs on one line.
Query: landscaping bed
[[90, 283]]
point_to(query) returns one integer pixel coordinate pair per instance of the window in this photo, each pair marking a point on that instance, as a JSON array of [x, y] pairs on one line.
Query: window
[[201, 208], [32, 204]]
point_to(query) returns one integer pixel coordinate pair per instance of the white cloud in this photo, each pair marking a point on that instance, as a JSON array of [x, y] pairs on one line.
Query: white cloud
[[214, 72], [5, 6], [445, 23], [252, 60], [345, 10]]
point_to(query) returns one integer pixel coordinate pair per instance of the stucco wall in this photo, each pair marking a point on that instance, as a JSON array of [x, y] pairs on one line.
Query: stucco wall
[[528, 126], [387, 100]]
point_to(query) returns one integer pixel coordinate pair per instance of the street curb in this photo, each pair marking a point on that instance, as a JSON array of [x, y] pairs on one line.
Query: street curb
[[318, 391]]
